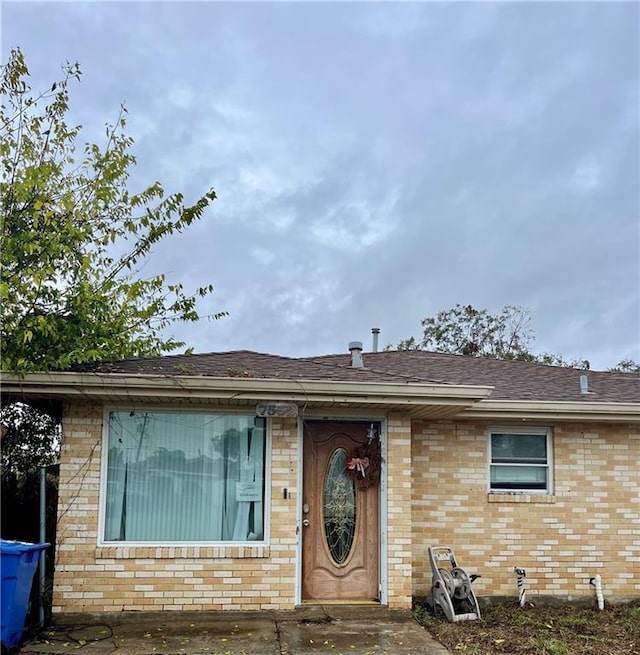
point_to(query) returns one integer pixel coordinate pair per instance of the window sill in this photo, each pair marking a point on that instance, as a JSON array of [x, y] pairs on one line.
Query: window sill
[[542, 499], [183, 552]]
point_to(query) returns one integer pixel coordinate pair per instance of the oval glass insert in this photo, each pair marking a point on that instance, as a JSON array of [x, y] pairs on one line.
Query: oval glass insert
[[339, 498]]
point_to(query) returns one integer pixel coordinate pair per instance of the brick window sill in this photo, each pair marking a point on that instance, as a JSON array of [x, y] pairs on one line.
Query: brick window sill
[[183, 552], [541, 499]]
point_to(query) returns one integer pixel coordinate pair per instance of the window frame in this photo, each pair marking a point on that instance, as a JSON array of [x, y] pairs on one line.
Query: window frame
[[102, 500], [528, 431]]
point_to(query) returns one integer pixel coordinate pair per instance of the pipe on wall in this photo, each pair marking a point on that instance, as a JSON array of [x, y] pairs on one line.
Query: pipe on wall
[[521, 574], [596, 581], [43, 538]]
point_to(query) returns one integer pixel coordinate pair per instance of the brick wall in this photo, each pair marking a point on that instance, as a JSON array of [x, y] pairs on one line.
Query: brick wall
[[399, 512], [590, 525], [437, 495], [89, 578]]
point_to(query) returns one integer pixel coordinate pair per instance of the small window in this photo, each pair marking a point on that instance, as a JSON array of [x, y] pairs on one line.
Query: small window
[[184, 477], [520, 461]]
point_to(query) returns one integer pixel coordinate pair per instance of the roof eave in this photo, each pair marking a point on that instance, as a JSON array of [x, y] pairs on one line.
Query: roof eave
[[416, 398], [622, 412]]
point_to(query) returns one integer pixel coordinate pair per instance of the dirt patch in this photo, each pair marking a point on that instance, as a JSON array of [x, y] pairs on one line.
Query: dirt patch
[[541, 630]]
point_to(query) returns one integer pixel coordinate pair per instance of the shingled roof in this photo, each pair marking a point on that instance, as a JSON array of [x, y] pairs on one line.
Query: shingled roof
[[512, 380]]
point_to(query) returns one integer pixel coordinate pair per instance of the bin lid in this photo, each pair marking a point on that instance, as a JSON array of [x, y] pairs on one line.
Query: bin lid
[[9, 546]]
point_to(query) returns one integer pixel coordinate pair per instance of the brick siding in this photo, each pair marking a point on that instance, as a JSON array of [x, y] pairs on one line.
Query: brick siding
[[589, 526], [90, 578], [437, 495], [398, 512]]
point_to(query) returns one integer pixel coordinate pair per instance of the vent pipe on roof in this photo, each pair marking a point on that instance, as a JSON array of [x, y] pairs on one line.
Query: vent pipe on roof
[[355, 348], [375, 332], [584, 384]]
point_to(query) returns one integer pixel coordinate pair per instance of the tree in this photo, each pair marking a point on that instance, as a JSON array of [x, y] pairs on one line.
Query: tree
[[626, 366], [31, 439], [74, 238], [469, 331], [465, 330]]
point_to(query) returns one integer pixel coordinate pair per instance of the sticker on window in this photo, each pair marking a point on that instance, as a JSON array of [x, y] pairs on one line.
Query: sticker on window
[[248, 492]]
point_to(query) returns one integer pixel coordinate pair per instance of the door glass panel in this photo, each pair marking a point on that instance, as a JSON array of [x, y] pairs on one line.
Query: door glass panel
[[339, 499]]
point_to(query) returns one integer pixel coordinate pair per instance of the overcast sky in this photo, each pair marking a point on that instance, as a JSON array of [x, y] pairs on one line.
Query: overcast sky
[[375, 163]]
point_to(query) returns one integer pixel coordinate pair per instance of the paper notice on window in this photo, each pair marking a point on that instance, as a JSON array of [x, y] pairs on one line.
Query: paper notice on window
[[248, 492]]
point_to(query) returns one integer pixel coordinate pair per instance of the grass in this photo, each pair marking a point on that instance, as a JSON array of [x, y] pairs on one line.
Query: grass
[[508, 629]]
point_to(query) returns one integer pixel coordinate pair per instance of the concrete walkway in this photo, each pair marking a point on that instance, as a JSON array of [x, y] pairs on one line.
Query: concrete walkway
[[331, 629]]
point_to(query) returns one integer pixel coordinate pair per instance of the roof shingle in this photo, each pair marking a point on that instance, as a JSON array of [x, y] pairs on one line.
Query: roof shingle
[[512, 380]]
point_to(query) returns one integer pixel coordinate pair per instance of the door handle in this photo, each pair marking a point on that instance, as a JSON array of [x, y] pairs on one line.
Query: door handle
[[306, 523]]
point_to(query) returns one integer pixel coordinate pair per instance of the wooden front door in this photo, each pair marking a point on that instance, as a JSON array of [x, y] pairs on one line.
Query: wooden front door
[[340, 530]]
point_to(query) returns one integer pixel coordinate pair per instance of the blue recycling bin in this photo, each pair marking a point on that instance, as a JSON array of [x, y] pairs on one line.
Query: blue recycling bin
[[18, 563]]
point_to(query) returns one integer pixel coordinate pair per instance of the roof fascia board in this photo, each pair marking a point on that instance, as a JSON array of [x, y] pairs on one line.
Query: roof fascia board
[[623, 412], [145, 385]]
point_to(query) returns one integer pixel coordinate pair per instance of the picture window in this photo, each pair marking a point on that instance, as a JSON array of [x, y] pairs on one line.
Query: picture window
[[184, 478]]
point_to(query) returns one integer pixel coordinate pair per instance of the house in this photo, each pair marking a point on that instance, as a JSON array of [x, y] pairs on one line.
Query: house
[[243, 480]]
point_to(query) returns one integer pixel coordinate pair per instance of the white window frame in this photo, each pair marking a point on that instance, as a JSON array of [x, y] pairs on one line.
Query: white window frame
[[102, 510], [533, 430]]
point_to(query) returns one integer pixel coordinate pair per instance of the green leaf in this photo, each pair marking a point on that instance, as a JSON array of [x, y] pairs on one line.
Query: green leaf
[[66, 299]]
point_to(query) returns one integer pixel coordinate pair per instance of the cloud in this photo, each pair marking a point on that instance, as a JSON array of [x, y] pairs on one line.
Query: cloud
[[376, 163], [182, 95], [587, 176]]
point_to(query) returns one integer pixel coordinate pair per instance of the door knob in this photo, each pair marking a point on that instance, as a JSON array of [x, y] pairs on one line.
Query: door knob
[[306, 523]]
